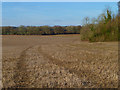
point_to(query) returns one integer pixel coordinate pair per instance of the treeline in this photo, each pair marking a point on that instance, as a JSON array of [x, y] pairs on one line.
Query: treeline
[[40, 30], [104, 28]]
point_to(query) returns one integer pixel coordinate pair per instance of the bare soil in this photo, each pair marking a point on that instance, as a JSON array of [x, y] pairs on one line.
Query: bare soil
[[58, 62]]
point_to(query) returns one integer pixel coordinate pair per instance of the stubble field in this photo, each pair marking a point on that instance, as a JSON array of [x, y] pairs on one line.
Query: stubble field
[[62, 61]]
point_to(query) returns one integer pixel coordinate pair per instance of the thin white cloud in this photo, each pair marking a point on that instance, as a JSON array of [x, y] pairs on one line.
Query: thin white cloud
[[59, 0]]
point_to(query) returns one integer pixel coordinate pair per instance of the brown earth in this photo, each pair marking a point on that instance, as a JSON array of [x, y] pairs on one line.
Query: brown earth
[[58, 62]]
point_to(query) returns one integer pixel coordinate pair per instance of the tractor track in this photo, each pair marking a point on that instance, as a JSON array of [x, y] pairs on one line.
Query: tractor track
[[21, 77], [66, 67]]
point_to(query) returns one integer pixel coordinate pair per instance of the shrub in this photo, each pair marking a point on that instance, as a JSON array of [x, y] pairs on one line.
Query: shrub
[[106, 28]]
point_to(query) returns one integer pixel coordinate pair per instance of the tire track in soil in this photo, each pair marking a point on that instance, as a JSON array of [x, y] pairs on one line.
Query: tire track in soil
[[64, 65], [21, 77]]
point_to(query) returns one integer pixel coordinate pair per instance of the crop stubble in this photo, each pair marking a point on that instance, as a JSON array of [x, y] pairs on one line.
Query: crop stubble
[[59, 61]]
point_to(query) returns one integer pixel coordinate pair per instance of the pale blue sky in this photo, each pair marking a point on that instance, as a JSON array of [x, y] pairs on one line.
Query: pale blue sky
[[51, 13], [60, 0]]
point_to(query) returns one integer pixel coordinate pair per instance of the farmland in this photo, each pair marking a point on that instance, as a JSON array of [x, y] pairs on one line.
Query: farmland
[[59, 61]]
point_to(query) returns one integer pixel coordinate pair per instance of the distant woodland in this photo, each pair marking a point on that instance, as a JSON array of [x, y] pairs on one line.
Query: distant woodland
[[40, 30]]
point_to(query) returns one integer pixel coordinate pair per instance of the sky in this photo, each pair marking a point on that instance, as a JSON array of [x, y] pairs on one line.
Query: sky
[[59, 0], [51, 13]]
